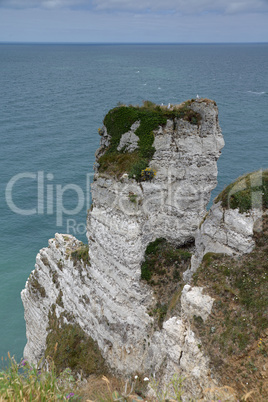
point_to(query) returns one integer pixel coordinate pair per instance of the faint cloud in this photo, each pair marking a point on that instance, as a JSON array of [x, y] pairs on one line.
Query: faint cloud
[[187, 7], [52, 3], [183, 6], [63, 3], [17, 4], [24, 4], [245, 6]]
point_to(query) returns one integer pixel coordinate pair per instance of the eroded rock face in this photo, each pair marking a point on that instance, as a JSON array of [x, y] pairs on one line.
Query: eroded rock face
[[195, 303], [120, 227], [174, 202], [73, 289], [108, 299], [129, 140], [225, 231], [118, 320], [54, 273]]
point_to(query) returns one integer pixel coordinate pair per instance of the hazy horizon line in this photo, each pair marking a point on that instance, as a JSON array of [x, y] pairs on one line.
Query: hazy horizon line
[[126, 43]]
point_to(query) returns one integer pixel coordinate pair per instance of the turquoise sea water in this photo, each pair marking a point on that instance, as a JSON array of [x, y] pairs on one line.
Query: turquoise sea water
[[53, 99]]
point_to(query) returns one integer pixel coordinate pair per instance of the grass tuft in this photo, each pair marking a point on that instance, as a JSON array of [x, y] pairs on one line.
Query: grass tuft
[[70, 347], [24, 382], [81, 254], [35, 287]]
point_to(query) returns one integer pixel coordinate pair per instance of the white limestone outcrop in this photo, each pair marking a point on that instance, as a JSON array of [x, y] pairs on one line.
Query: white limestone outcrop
[[110, 307], [195, 303], [225, 231], [107, 298], [172, 205], [129, 140]]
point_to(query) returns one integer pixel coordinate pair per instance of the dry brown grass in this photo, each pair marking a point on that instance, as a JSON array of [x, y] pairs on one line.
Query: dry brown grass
[[101, 388]]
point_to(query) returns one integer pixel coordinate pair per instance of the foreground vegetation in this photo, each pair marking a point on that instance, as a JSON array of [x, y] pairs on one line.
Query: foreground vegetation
[[23, 382]]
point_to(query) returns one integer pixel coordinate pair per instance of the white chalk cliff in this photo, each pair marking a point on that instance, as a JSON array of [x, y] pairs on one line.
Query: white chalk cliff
[[226, 230], [107, 297]]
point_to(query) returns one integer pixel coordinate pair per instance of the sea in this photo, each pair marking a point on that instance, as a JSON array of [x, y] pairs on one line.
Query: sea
[[53, 98]]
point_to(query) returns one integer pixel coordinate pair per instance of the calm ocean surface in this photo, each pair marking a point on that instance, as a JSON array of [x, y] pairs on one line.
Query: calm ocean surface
[[54, 98]]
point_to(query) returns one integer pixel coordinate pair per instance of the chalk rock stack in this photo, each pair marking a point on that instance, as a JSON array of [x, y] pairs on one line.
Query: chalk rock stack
[[107, 297]]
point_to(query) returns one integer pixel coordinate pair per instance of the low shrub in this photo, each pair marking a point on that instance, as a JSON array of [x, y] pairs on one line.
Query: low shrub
[[162, 269], [159, 254], [81, 254], [70, 347], [147, 174]]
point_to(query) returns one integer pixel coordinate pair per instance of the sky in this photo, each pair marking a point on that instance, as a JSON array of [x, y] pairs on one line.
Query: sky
[[134, 21]]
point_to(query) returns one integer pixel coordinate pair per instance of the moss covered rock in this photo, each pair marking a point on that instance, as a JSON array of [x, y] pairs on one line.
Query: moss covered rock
[[118, 121], [247, 192]]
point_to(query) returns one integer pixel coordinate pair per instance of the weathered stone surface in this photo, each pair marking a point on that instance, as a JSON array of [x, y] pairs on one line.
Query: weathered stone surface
[[108, 299], [175, 350], [195, 303], [172, 205], [224, 231], [104, 143], [129, 140], [54, 271]]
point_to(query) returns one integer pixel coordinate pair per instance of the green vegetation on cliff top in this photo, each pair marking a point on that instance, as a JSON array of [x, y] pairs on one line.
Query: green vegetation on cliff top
[[119, 121], [247, 192]]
